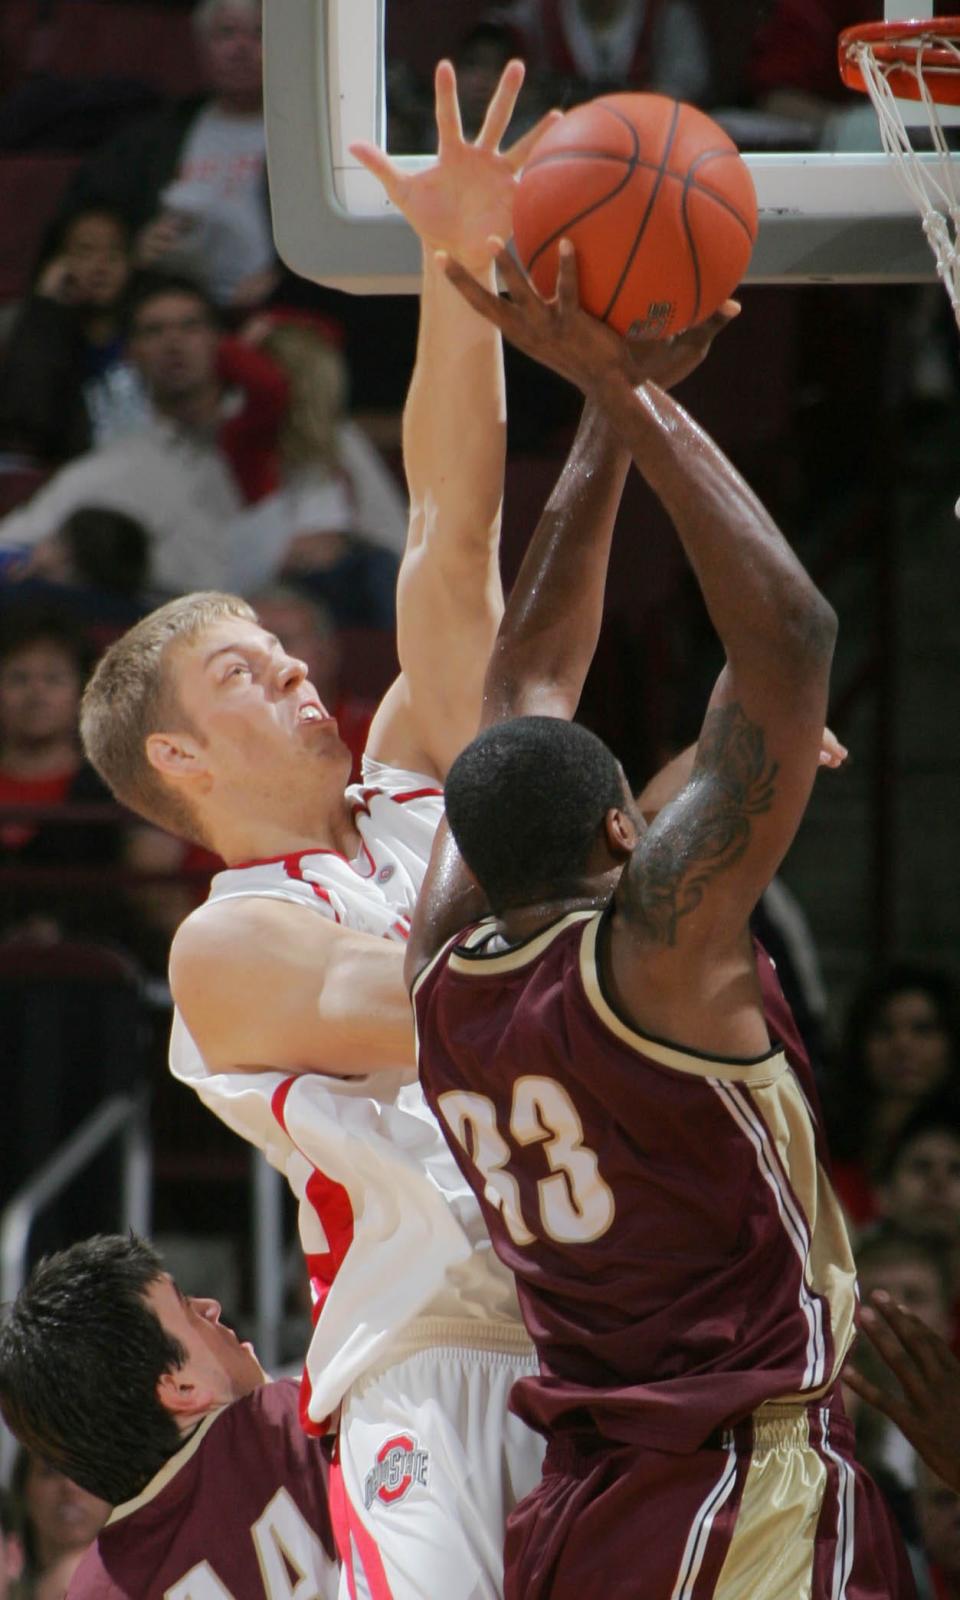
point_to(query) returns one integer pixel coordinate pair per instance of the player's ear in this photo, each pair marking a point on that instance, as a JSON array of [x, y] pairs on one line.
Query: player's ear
[[621, 832], [182, 1398], [173, 755]]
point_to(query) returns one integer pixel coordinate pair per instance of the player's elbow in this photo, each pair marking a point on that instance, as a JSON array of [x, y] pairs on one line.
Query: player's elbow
[[807, 635]]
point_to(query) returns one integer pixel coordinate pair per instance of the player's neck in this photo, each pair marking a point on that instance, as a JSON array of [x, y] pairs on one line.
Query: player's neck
[[303, 826], [523, 922]]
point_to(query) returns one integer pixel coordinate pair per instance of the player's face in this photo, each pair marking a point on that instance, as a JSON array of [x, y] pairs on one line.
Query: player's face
[[218, 1367], [64, 1516], [907, 1048], [916, 1285], [261, 719], [923, 1193]]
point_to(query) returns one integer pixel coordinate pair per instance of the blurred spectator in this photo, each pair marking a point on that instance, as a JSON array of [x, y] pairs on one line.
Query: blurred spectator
[[589, 47], [191, 179], [43, 664], [793, 68], [920, 1189], [480, 58], [211, 443], [60, 1521], [11, 1549], [914, 1272], [338, 521], [901, 1043], [97, 549], [913, 1269], [938, 1513], [65, 382]]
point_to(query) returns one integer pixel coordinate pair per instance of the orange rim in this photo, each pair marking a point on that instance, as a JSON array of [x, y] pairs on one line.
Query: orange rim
[[906, 50]]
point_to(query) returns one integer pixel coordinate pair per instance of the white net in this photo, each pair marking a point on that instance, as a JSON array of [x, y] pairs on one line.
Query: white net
[[930, 177]]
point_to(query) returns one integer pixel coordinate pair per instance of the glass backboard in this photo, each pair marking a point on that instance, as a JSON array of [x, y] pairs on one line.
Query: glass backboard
[[832, 207]]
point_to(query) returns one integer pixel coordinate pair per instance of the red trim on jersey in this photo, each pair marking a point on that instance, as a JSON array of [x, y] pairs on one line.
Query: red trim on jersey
[[334, 1211], [416, 794], [353, 1538], [272, 861]]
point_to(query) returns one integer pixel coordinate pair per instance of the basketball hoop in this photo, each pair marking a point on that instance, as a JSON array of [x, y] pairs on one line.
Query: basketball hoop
[[893, 61]]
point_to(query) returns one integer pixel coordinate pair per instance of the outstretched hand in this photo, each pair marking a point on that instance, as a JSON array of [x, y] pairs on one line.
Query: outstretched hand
[[562, 336], [927, 1411], [466, 198]]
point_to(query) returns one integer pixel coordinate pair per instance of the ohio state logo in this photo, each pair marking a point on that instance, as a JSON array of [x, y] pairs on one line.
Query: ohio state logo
[[400, 1464]]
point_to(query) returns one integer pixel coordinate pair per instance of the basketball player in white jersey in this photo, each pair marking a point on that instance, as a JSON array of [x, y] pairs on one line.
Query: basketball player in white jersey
[[290, 1017]]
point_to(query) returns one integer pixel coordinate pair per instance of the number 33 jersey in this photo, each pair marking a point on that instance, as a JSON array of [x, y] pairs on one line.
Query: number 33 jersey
[[678, 1250]]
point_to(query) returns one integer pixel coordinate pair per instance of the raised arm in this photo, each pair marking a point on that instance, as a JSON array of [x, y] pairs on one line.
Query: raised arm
[[685, 898], [449, 599], [549, 632]]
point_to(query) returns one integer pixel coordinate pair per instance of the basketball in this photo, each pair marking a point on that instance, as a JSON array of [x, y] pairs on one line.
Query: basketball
[[657, 201]]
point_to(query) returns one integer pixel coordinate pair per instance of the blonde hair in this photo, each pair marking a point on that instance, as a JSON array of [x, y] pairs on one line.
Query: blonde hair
[[318, 395], [129, 697]]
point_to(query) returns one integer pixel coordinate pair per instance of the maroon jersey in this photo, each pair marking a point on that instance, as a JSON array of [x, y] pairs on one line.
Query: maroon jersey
[[679, 1253], [240, 1513]]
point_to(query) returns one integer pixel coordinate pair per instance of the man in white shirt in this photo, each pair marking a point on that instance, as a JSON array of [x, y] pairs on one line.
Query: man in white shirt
[[172, 475]]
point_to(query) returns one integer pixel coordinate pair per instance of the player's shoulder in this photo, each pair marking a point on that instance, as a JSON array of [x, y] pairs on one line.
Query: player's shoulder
[[401, 785], [230, 934]]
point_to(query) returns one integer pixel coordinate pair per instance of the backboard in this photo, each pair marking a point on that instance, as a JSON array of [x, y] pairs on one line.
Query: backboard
[[836, 213]]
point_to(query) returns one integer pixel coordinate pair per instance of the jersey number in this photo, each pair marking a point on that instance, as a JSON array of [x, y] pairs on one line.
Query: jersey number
[[293, 1563], [576, 1206]]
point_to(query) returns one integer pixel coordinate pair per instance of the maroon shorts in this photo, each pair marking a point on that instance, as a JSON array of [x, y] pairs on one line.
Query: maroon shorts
[[777, 1509]]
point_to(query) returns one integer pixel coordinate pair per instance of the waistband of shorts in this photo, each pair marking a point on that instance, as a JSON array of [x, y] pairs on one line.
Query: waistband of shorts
[[442, 1333], [818, 1425]]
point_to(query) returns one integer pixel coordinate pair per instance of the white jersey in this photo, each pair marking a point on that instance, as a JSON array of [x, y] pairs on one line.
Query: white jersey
[[390, 1230]]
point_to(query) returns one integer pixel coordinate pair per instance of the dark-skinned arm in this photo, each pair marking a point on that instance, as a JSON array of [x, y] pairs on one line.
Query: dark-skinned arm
[[679, 931], [551, 624]]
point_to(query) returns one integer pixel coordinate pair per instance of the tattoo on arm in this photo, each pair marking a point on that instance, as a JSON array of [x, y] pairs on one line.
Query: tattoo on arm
[[712, 831]]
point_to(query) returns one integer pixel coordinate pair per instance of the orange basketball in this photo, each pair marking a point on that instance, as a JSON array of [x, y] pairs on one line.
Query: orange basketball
[[657, 201]]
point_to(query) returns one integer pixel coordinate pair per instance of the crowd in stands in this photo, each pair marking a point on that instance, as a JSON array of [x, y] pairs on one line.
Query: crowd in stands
[[177, 412]]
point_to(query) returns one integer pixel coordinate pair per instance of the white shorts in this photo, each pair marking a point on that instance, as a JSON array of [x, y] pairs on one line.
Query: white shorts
[[430, 1464]]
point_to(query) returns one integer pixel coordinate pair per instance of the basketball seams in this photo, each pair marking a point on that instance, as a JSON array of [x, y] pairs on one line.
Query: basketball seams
[[651, 202], [596, 205], [642, 165], [646, 216], [689, 182]]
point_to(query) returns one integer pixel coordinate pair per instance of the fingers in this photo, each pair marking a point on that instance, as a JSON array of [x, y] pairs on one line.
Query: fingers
[[519, 154], [832, 752], [378, 162], [908, 1346], [488, 305], [449, 126], [514, 279], [880, 1399], [568, 281], [501, 107]]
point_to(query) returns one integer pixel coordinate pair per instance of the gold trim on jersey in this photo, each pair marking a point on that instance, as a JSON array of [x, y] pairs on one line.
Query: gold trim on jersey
[[476, 964], [167, 1472], [756, 1074]]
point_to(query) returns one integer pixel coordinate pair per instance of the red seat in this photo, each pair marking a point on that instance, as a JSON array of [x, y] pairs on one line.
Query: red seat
[[71, 39], [30, 190]]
